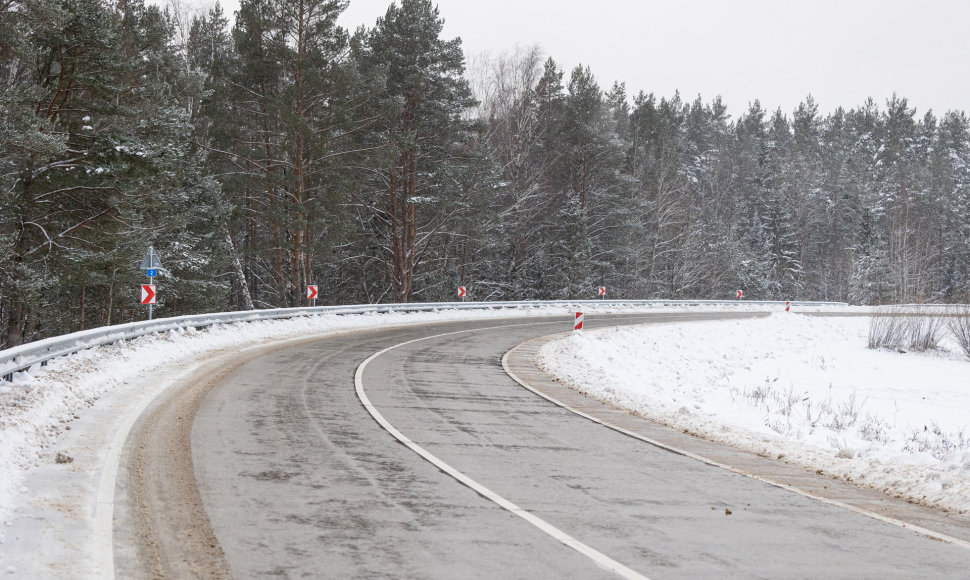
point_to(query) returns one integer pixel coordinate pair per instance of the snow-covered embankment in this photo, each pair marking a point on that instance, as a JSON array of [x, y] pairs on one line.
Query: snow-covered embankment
[[805, 388]]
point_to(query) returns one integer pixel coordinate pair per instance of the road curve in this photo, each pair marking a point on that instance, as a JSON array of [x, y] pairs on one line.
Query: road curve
[[298, 479]]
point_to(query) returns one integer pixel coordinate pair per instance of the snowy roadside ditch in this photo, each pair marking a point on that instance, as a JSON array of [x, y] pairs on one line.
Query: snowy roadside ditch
[[801, 388]]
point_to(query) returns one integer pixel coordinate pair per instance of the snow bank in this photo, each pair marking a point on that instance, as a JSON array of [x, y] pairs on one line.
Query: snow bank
[[800, 386]]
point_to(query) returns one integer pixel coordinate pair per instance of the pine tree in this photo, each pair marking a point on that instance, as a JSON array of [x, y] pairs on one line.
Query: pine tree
[[295, 119], [210, 55], [103, 87], [751, 271], [840, 206], [426, 145], [898, 190], [514, 247], [950, 168], [870, 279], [777, 237]]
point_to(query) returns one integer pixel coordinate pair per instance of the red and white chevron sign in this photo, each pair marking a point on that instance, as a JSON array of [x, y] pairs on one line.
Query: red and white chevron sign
[[148, 294], [311, 292], [461, 291], [740, 295], [579, 321], [602, 290]]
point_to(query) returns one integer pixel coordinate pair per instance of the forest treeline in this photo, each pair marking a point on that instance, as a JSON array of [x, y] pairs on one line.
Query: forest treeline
[[281, 150]]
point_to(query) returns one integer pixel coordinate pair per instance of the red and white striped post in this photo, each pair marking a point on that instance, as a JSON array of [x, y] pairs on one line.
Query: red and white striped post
[[578, 324], [788, 306]]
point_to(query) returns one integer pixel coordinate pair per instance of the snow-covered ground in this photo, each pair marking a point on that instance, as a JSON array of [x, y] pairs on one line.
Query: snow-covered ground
[[802, 387]]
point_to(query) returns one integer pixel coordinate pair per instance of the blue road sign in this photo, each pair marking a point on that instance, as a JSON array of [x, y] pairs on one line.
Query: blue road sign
[[151, 260], [151, 272]]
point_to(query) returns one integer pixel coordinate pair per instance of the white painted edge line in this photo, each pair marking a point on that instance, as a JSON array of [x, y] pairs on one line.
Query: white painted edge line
[[598, 557], [917, 529], [103, 532]]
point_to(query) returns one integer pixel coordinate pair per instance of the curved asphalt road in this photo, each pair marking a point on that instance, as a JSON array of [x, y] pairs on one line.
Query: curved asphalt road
[[299, 480]]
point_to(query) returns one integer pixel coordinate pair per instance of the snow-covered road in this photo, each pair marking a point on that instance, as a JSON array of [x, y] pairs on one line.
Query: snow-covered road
[[801, 387]]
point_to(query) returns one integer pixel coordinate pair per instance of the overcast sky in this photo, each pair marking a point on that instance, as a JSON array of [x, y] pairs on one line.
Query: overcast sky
[[840, 51]]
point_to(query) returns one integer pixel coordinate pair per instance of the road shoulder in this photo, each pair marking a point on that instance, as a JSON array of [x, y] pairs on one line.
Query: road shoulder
[[520, 364]]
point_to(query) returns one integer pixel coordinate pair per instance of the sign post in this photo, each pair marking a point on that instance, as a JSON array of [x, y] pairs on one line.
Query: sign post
[[602, 292], [461, 293], [150, 264], [740, 294], [311, 293]]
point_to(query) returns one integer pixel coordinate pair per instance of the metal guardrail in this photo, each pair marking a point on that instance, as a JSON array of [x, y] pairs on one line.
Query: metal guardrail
[[21, 358]]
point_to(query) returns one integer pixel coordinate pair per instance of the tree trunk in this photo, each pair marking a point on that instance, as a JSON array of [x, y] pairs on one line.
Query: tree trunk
[[412, 225], [111, 298], [15, 329], [396, 253], [240, 276], [307, 258], [80, 315]]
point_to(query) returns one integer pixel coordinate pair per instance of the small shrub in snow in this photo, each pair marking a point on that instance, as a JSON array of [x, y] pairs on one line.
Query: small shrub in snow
[[887, 329], [779, 427], [810, 419], [874, 430], [781, 406], [925, 332], [761, 394], [959, 324], [895, 329], [934, 440], [845, 416], [840, 444]]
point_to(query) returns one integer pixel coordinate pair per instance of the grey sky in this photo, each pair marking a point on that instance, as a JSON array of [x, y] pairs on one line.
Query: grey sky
[[776, 51]]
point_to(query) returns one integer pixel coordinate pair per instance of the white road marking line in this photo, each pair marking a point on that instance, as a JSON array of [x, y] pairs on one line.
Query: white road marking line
[[103, 532], [103, 535], [598, 557], [900, 523]]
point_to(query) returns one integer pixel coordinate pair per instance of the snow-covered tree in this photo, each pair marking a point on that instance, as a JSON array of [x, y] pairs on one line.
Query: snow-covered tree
[[418, 177]]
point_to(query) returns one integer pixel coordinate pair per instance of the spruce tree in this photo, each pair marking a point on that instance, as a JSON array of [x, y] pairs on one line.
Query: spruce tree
[[104, 174]]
